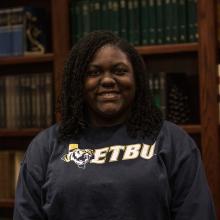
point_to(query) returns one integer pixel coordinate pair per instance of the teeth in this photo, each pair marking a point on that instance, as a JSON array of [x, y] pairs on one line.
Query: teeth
[[108, 94]]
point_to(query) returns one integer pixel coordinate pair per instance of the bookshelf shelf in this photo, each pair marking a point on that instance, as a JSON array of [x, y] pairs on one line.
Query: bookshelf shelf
[[19, 132], [6, 203], [192, 129], [27, 59], [168, 49]]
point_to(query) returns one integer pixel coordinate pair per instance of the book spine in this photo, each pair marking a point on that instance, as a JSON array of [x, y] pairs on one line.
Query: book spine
[[152, 22], [104, 15], [34, 100], [48, 99], [38, 101], [144, 22], [163, 93], [17, 102], [42, 101], [5, 33], [182, 21], [115, 17], [123, 23], [110, 21], [168, 21], [156, 89], [17, 23], [74, 29], [160, 21], [175, 25], [136, 27], [192, 21], [2, 102], [131, 22], [8, 101], [97, 15]]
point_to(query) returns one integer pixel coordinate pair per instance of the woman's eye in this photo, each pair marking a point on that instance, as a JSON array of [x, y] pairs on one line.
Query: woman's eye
[[93, 73], [120, 71]]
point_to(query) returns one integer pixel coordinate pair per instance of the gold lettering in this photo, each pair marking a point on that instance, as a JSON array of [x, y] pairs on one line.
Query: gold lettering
[[100, 155], [147, 151], [115, 152], [131, 152]]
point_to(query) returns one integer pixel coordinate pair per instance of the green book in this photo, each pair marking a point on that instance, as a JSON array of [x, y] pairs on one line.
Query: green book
[[175, 25], [115, 17], [156, 89], [86, 17], [91, 12], [110, 21], [144, 23], [77, 20], [182, 37], [192, 21], [160, 21], [95, 14], [104, 15], [167, 21], [123, 22], [130, 21], [73, 21], [136, 23], [152, 22]]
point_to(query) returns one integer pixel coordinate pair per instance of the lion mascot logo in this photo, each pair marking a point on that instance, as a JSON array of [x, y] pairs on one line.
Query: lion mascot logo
[[81, 157]]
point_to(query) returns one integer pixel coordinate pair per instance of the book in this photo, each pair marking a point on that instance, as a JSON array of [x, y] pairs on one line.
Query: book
[[5, 33], [174, 21], [144, 22], [152, 22], [192, 21], [182, 21], [7, 178], [167, 21], [170, 95], [26, 100], [123, 21], [160, 21], [17, 30]]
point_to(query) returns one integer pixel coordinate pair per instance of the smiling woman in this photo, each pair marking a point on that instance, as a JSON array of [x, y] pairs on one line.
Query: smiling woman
[[112, 156], [109, 87]]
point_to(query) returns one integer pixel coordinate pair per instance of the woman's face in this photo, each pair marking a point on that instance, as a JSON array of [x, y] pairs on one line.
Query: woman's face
[[109, 87]]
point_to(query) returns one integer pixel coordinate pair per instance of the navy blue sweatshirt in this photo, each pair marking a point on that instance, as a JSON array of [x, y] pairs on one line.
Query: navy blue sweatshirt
[[107, 175]]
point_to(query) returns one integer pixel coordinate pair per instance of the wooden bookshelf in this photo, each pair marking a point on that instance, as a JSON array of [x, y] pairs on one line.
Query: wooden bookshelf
[[168, 49], [192, 129], [19, 132], [48, 57], [6, 203]]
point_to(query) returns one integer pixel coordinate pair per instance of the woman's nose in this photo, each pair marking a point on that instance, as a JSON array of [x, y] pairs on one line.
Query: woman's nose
[[107, 80]]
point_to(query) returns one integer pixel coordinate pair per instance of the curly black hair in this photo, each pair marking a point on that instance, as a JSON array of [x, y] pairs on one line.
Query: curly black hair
[[146, 118]]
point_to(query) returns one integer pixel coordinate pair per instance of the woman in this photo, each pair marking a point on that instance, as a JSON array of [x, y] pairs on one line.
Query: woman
[[112, 156]]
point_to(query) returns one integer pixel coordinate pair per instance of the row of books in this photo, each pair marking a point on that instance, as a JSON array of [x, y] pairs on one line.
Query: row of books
[[141, 22], [171, 96], [10, 161], [26, 100], [23, 31]]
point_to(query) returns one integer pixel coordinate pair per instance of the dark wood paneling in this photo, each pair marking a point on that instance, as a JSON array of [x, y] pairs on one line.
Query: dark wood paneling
[[208, 96]]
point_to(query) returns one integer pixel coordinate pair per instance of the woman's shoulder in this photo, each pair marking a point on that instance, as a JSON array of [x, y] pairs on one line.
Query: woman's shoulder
[[48, 134], [173, 137]]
